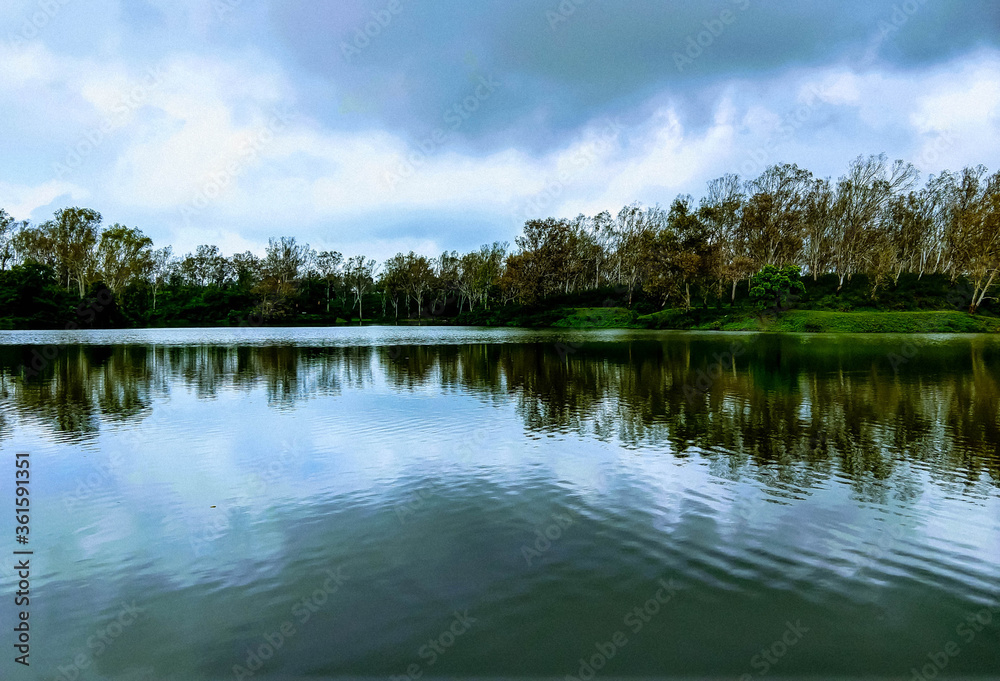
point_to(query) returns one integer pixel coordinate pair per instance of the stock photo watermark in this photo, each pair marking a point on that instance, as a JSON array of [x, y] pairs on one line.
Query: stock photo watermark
[[636, 620], [545, 536], [454, 118], [223, 8], [100, 641], [901, 14], [695, 44], [561, 13], [555, 185], [367, 33], [248, 155], [968, 630], [254, 486], [437, 647], [93, 138], [271, 642], [769, 656], [36, 22]]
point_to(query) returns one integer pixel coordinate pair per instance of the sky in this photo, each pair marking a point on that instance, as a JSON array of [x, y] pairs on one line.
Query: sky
[[377, 126]]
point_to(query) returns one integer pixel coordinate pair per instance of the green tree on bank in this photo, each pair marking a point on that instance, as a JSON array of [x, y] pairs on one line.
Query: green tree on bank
[[872, 228]]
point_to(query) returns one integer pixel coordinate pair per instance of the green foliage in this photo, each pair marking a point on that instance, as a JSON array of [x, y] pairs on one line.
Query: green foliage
[[868, 241], [30, 298], [597, 318], [773, 287]]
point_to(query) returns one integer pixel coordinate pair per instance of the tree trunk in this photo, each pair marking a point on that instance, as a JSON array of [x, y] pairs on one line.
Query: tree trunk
[[976, 302]]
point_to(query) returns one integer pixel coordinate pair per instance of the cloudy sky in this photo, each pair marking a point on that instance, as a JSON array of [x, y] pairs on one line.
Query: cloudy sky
[[375, 126]]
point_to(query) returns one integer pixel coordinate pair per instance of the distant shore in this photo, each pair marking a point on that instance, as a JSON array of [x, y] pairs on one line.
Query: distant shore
[[788, 321], [792, 321]]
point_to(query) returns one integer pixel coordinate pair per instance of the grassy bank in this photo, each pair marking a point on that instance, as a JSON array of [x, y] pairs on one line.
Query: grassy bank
[[792, 321], [818, 321], [930, 304]]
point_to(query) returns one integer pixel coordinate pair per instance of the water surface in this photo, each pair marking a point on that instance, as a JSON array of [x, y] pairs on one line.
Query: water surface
[[458, 502]]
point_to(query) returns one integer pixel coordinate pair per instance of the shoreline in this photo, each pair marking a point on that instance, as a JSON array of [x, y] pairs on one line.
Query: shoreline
[[597, 318]]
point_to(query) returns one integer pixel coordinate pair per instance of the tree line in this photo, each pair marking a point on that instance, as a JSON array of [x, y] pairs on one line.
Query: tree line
[[874, 221]]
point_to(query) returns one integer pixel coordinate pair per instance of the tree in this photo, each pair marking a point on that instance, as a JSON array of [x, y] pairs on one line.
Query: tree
[[123, 254], [327, 264], [358, 273], [678, 256], [862, 195], [161, 266], [817, 227], [773, 217], [392, 282], [973, 238], [73, 234], [546, 247], [418, 278], [446, 273], [246, 268], [773, 286], [8, 230], [206, 266], [634, 229], [31, 298], [284, 258], [722, 212]]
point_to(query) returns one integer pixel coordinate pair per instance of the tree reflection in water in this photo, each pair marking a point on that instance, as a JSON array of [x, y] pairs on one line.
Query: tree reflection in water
[[789, 409]]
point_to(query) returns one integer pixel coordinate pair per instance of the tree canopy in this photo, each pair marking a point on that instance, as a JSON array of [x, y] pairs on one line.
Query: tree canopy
[[738, 240]]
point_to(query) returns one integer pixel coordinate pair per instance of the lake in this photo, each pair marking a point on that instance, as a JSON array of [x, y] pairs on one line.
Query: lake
[[491, 503]]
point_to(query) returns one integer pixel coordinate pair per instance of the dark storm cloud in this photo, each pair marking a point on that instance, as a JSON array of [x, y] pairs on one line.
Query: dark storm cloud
[[406, 65]]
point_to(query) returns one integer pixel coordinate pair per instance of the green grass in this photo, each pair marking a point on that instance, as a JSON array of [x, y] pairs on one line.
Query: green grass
[[929, 304], [883, 322], [596, 318], [806, 321]]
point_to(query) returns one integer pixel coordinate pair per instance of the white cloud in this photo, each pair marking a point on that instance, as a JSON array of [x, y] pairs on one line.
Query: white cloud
[[21, 201], [201, 128]]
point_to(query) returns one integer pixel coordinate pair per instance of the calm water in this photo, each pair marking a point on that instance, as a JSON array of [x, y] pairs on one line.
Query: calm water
[[383, 502]]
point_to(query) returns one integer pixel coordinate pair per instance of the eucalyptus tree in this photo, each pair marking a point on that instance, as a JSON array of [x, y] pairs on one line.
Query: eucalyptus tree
[[817, 227], [285, 258], [123, 254], [468, 268], [392, 283], [909, 225], [8, 230], [540, 267], [446, 274], [695, 260], [246, 268], [862, 195], [72, 238], [721, 210], [973, 236], [327, 265], [773, 216], [480, 273], [418, 278], [635, 228], [205, 266], [36, 244], [358, 277], [162, 265]]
